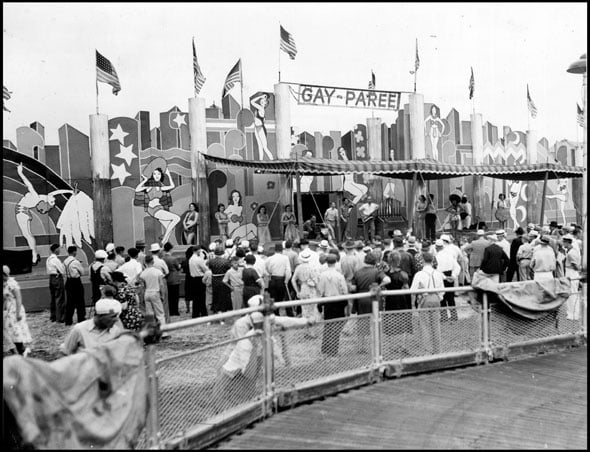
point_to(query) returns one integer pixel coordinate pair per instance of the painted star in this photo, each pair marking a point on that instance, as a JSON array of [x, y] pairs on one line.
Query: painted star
[[179, 120], [126, 153], [359, 136], [120, 172], [118, 134]]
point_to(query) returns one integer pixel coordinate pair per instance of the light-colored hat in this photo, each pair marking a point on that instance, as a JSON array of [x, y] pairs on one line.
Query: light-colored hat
[[545, 229], [260, 249], [533, 233], [545, 238], [254, 301], [212, 246], [324, 244], [101, 254], [492, 238], [110, 247], [445, 238], [411, 240], [349, 244], [569, 228], [568, 237], [397, 232], [155, 247], [439, 242], [531, 225], [107, 306], [257, 317], [305, 256], [229, 243], [367, 248], [481, 232], [500, 232], [244, 244]]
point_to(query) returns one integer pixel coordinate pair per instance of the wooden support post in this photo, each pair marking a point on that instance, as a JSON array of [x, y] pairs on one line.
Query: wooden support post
[[543, 198]]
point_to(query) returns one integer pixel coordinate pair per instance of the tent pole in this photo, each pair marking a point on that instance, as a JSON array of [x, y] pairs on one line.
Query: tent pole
[[413, 203], [299, 208], [543, 198]]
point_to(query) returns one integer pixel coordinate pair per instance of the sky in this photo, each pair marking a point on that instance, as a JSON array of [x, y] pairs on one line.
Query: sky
[[50, 67]]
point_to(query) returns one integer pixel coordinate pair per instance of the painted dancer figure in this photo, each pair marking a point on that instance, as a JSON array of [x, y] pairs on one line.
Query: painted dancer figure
[[561, 197], [434, 129], [155, 196], [32, 199], [356, 190], [260, 103]]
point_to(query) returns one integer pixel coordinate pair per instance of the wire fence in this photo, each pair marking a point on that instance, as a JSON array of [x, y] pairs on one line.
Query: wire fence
[[204, 387]]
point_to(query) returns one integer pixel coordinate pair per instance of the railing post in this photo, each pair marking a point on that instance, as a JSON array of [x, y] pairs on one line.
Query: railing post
[[153, 420], [584, 308], [268, 358], [486, 327], [376, 327]]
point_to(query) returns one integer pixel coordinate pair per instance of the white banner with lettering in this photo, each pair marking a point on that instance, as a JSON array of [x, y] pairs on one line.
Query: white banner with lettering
[[329, 96]]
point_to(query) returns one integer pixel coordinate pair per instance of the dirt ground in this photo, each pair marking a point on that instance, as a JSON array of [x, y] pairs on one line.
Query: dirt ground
[[47, 336]]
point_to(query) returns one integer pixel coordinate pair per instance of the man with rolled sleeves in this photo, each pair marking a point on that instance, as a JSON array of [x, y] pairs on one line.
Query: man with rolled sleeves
[[74, 288], [56, 271]]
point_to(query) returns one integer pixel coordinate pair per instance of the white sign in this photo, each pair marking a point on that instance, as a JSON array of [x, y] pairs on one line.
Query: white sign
[[328, 96]]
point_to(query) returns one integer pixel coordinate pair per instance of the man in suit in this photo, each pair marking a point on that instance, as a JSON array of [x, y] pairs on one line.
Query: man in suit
[[475, 250]]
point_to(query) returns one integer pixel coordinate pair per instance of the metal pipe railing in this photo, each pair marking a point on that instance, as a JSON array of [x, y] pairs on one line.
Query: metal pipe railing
[[269, 399]]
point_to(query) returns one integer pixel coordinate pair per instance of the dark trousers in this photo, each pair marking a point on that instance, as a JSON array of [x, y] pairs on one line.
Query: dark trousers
[[430, 226], [173, 295], [57, 305], [278, 291], [75, 300], [332, 329], [343, 231], [448, 300], [512, 270], [199, 294], [369, 229]]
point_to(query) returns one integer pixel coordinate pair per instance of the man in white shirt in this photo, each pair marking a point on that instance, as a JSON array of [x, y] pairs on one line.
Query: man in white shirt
[[447, 264], [198, 290], [429, 321], [161, 265], [56, 271], [103, 327], [74, 288], [543, 262], [278, 268], [132, 268], [502, 242], [573, 265]]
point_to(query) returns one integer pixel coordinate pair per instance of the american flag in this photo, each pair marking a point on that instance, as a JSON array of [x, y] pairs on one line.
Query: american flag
[[372, 81], [288, 43], [199, 77], [417, 62], [6, 96], [580, 115], [471, 85], [105, 72], [234, 76], [530, 103]]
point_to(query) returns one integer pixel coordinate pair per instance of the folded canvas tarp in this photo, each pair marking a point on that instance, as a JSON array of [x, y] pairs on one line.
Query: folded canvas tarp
[[95, 399], [529, 299]]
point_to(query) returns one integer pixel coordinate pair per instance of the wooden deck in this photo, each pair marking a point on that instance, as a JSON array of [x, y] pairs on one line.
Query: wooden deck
[[534, 403]]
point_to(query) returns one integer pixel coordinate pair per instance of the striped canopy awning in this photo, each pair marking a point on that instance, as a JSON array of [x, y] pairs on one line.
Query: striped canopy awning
[[402, 169]]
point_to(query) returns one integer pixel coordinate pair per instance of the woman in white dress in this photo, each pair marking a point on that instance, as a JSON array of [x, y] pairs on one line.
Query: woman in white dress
[[304, 281], [434, 129]]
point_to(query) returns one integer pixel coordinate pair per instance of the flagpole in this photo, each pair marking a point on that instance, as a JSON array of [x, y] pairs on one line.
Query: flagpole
[[194, 56], [279, 52], [96, 80], [242, 83], [415, 68]]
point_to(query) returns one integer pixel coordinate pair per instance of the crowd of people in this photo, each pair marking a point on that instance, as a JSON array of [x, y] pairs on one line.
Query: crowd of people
[[129, 284]]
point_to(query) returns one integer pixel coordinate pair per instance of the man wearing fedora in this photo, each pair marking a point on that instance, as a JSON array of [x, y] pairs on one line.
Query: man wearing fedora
[[514, 246]]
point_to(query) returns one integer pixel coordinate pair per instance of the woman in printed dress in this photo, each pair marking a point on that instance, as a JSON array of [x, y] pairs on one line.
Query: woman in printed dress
[[304, 281], [17, 337], [263, 229], [288, 220]]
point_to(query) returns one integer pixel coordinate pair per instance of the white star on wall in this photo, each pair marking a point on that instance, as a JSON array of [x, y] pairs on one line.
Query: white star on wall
[[120, 172], [179, 120], [126, 153], [118, 134]]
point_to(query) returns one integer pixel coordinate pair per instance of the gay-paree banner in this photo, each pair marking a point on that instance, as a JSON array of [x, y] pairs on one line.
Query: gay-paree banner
[[331, 96]]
